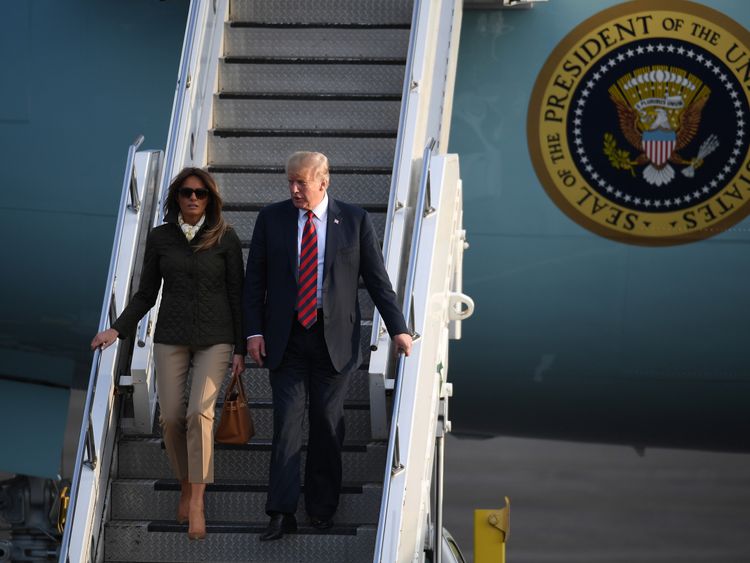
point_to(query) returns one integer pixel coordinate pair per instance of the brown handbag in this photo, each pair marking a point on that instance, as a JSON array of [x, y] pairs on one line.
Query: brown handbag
[[236, 424]]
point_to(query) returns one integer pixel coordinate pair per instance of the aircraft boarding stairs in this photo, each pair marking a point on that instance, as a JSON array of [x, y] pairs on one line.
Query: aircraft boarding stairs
[[258, 81]]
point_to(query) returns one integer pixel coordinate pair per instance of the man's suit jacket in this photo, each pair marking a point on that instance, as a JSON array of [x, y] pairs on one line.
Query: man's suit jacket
[[270, 291]]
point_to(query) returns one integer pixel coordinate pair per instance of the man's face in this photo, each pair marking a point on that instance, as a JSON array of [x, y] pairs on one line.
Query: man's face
[[306, 191]]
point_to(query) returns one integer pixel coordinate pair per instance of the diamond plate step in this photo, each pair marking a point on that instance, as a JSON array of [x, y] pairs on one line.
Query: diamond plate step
[[257, 386], [311, 78], [356, 420], [167, 542], [265, 188], [328, 12], [231, 501], [241, 41], [243, 223], [306, 114], [261, 150], [145, 458]]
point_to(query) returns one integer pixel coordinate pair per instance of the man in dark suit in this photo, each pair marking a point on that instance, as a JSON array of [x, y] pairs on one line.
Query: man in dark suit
[[302, 320]]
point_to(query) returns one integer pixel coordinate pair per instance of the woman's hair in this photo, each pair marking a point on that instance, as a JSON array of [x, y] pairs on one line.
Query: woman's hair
[[214, 218], [314, 162]]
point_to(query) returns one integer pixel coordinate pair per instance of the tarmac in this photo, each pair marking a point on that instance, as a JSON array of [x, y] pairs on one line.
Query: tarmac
[[593, 503]]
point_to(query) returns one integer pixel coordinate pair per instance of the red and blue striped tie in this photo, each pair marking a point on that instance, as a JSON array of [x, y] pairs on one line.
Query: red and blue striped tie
[[307, 290]]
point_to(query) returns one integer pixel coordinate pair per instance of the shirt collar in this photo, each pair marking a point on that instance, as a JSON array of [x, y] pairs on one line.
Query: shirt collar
[[319, 210]]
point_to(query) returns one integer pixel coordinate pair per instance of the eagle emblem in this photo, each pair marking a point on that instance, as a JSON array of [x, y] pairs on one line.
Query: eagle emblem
[[659, 112]]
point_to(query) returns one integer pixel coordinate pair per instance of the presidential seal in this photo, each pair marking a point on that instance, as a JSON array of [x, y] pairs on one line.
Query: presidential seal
[[638, 123]]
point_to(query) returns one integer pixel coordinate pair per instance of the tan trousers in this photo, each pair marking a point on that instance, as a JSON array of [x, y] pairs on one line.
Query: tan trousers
[[187, 425]]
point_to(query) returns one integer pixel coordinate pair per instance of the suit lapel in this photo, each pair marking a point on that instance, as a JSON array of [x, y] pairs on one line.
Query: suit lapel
[[290, 232], [332, 236]]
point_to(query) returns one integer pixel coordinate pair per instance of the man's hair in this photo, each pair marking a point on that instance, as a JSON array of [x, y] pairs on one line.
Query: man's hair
[[315, 162]]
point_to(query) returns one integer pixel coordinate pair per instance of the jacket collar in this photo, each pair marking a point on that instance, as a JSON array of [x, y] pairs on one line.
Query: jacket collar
[[333, 237]]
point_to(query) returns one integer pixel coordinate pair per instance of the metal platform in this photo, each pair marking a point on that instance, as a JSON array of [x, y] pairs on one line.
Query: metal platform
[[257, 386], [260, 149], [231, 501], [238, 188], [145, 458], [255, 41], [356, 419], [144, 541], [323, 12], [319, 114], [312, 78]]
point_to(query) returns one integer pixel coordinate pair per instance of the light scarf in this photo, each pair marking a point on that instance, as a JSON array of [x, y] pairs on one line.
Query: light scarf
[[190, 230]]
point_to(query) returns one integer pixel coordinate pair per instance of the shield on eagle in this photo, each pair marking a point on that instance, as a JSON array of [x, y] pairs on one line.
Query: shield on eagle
[[659, 145]]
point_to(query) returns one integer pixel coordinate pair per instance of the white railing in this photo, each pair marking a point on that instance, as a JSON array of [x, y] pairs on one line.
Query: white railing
[[419, 399], [422, 382], [96, 435], [393, 455], [196, 82], [186, 145], [425, 113]]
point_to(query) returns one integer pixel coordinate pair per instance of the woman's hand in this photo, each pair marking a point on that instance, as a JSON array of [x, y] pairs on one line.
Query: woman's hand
[[238, 365], [104, 339]]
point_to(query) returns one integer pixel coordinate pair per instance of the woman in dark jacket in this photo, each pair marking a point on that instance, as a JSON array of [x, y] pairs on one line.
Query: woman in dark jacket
[[199, 259]]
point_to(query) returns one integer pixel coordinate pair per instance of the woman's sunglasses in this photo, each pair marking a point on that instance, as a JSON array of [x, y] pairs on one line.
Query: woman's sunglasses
[[187, 193]]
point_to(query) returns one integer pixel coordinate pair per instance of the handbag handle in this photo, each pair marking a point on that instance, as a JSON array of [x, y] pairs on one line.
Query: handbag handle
[[236, 382]]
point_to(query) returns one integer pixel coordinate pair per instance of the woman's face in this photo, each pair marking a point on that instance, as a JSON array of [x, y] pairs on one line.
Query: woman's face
[[192, 197]]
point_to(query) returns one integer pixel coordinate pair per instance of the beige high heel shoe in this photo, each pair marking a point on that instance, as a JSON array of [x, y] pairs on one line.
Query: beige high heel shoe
[[197, 516], [197, 526]]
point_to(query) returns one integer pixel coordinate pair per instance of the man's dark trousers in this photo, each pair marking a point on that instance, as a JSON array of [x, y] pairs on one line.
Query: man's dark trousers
[[306, 368]]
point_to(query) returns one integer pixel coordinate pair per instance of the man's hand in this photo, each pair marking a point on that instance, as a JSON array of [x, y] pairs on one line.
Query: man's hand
[[238, 364], [402, 343], [256, 349]]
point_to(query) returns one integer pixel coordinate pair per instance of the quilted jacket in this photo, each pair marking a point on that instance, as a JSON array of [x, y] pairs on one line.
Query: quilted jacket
[[200, 304]]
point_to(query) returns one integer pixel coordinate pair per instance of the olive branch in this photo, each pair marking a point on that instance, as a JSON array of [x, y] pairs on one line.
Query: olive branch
[[618, 158]]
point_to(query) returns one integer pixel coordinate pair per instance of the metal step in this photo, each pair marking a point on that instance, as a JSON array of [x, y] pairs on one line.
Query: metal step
[[145, 458], [257, 386], [327, 12], [310, 78], [243, 223], [270, 150], [231, 501], [255, 41], [168, 542], [342, 115], [264, 188], [356, 420]]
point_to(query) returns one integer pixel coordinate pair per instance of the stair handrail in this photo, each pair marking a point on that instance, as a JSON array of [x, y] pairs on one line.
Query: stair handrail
[[86, 444], [393, 203], [183, 83], [393, 456]]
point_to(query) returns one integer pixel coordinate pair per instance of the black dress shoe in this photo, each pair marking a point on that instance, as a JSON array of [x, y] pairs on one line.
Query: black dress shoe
[[278, 525], [321, 523]]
